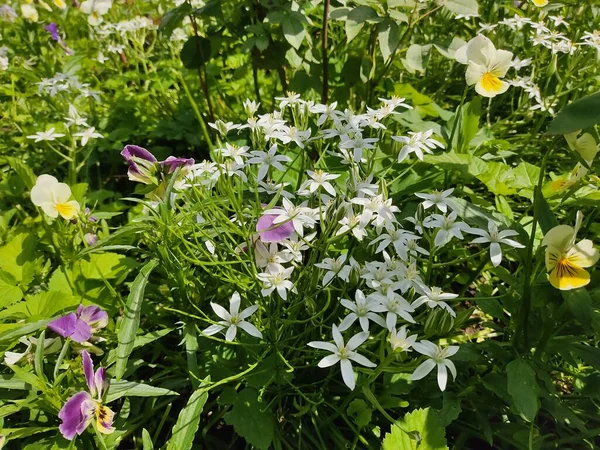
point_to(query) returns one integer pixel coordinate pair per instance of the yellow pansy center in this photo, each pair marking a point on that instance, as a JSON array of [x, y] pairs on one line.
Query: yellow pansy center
[[491, 82], [66, 210]]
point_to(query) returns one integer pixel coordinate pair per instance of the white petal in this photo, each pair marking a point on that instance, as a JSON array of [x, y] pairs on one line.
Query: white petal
[[234, 303], [328, 361], [450, 365], [495, 254], [250, 329], [323, 346], [347, 373], [220, 311], [231, 332], [247, 312], [442, 376], [423, 370], [357, 340], [347, 322], [363, 361], [213, 329], [337, 336]]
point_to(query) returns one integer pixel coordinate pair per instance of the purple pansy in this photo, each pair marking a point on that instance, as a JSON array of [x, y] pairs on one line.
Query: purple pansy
[[80, 409], [173, 163], [270, 232], [53, 30], [80, 325], [142, 163]]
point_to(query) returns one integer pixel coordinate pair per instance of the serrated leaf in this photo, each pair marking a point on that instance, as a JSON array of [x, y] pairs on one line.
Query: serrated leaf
[[123, 388], [131, 321], [9, 294], [523, 388], [17, 254], [251, 419], [293, 31], [425, 429], [579, 115], [187, 423]]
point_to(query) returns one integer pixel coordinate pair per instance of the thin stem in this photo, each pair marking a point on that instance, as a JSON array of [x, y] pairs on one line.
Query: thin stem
[[324, 53]]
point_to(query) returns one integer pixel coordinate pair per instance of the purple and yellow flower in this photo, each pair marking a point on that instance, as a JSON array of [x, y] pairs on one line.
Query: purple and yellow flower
[[142, 164], [80, 325], [172, 163], [79, 411]]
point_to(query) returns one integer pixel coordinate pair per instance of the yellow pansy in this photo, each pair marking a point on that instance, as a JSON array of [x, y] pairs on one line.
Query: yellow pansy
[[60, 4], [29, 12], [585, 145], [540, 3], [53, 197], [565, 259], [485, 66]]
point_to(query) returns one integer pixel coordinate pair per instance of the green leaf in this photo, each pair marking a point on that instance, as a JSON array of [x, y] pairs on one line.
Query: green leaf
[[579, 303], [39, 356], [590, 355], [23, 170], [463, 7], [416, 58], [579, 115], [195, 52], [131, 321], [104, 266], [123, 388], [12, 382], [44, 305], [251, 419], [470, 123], [426, 432], [9, 294], [188, 420], [360, 412], [146, 440], [18, 255], [293, 30], [545, 216], [22, 330], [450, 410], [173, 18], [388, 37], [523, 388]]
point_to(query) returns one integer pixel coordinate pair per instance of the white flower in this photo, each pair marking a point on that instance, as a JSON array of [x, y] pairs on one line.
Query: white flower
[[236, 153], [437, 357], [48, 135], [326, 111], [357, 145], [354, 224], [417, 143], [268, 256], [485, 66], [335, 268], [74, 118], [398, 237], [300, 216], [343, 353], [440, 199], [250, 106], [364, 310], [96, 9], [295, 246], [292, 134], [271, 188], [53, 198], [233, 319], [399, 341], [435, 297], [224, 127], [321, 179], [29, 12], [495, 238], [266, 160], [88, 134], [291, 99], [276, 278], [395, 305], [447, 228]]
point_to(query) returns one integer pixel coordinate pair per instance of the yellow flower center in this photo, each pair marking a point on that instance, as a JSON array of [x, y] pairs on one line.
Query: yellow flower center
[[491, 82], [66, 210]]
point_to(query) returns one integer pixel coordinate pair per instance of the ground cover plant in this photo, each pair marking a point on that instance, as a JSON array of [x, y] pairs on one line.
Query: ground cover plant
[[312, 224]]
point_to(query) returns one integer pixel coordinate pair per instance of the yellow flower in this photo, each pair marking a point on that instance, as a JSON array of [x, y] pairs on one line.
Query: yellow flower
[[566, 260], [585, 145], [60, 4], [485, 66], [53, 198], [540, 3], [29, 12]]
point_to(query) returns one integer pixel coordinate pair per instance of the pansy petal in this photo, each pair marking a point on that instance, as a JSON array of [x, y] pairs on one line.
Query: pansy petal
[[101, 381], [104, 419], [64, 326], [75, 415], [583, 254], [88, 371], [82, 331], [566, 277]]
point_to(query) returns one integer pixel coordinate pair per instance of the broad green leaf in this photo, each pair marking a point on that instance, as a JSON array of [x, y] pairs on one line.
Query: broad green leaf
[[388, 37], [450, 409], [104, 266], [18, 255], [23, 170], [293, 31], [426, 432], [360, 412], [173, 18], [9, 294], [118, 389], [579, 303], [416, 58], [195, 52], [463, 7], [184, 430], [579, 115], [252, 419], [131, 321], [590, 355], [523, 388], [546, 218], [43, 305], [469, 124]]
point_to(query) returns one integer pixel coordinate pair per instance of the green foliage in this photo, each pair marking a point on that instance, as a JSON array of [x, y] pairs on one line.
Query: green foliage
[[579, 115], [187, 423], [419, 429], [523, 388], [251, 419]]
